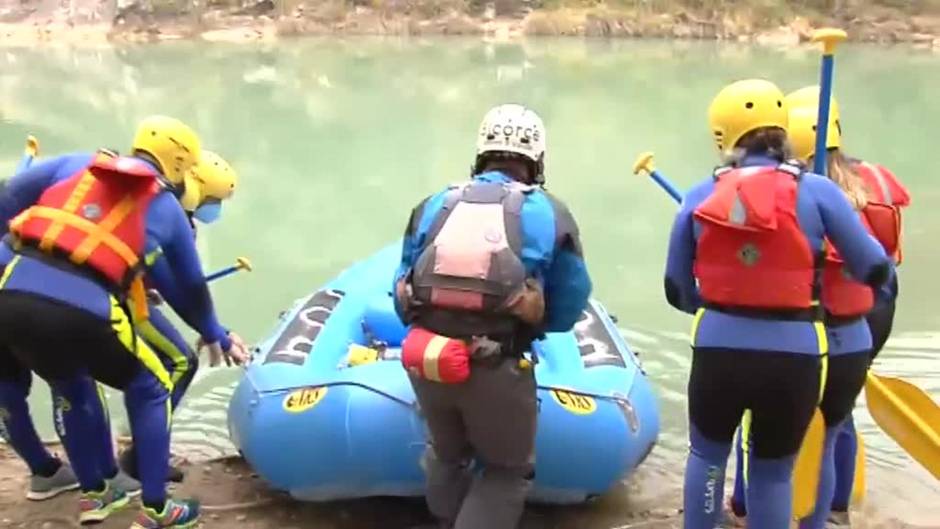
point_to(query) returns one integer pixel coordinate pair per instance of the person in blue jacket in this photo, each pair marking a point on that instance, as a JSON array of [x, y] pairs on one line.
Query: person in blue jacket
[[49, 475], [80, 227], [745, 257], [850, 307], [487, 267], [209, 182]]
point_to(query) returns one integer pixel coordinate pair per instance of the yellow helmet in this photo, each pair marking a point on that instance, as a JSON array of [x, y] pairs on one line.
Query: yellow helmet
[[804, 109], [744, 106], [171, 143], [208, 183]]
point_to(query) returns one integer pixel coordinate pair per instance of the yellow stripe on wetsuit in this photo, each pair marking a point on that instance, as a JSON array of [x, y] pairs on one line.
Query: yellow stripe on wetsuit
[[124, 330], [166, 346], [8, 270]]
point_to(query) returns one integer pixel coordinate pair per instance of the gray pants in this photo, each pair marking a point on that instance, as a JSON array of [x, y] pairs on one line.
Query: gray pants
[[490, 418]]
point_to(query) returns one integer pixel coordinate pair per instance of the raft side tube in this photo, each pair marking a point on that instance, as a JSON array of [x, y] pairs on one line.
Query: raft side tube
[[329, 442]]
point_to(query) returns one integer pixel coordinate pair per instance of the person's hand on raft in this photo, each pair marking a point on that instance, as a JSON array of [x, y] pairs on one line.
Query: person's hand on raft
[[238, 352]]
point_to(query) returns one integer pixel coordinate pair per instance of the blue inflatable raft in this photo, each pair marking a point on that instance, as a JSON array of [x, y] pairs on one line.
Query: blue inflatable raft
[[319, 415]]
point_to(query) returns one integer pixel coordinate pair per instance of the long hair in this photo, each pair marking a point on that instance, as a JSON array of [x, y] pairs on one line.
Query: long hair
[[842, 172], [765, 141]]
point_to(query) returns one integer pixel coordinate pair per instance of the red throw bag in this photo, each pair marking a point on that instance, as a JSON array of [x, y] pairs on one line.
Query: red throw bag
[[435, 357]]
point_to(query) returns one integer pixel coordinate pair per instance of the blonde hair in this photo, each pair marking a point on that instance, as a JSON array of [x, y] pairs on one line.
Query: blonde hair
[[843, 173]]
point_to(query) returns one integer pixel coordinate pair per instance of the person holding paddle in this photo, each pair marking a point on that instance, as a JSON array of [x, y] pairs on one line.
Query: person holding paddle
[[81, 227], [850, 306], [208, 183], [744, 259], [876, 194], [868, 186]]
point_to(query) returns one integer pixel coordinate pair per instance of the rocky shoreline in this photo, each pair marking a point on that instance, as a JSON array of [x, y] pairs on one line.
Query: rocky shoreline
[[93, 25]]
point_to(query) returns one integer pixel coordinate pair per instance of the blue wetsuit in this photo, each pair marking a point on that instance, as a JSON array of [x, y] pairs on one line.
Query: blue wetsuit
[[880, 321], [167, 231], [823, 212], [551, 252]]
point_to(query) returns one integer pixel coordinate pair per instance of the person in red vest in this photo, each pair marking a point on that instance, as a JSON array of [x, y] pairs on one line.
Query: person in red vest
[[744, 258], [858, 318], [881, 187], [80, 227], [207, 185]]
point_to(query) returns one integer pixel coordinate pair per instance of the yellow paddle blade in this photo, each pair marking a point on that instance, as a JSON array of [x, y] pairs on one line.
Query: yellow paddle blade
[[916, 399], [858, 484], [905, 413], [806, 470]]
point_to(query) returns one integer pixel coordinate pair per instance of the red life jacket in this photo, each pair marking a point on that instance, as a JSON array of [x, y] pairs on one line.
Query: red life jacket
[[751, 252], [885, 188], [96, 218], [842, 295]]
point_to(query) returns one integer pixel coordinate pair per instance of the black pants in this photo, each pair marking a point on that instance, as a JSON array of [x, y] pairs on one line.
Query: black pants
[[59, 341], [880, 321], [844, 382], [11, 369], [781, 390]]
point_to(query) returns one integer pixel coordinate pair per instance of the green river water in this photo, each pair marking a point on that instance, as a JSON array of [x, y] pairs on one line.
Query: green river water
[[335, 140]]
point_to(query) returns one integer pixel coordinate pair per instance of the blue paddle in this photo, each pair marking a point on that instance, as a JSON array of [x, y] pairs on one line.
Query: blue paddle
[[830, 37], [645, 163], [241, 263]]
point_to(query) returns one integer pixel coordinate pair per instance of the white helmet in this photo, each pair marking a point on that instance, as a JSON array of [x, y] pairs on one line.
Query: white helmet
[[514, 129]]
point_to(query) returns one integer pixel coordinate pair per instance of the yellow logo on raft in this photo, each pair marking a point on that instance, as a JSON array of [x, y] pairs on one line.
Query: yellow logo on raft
[[302, 400], [575, 403]]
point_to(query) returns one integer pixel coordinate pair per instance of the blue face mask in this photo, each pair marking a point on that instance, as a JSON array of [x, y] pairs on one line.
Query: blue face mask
[[208, 212]]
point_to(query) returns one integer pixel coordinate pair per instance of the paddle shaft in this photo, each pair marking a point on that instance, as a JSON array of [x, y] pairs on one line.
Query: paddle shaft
[[822, 119], [222, 273], [666, 185], [25, 161]]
